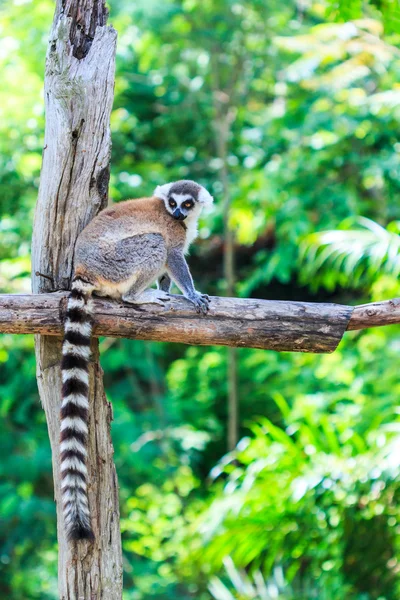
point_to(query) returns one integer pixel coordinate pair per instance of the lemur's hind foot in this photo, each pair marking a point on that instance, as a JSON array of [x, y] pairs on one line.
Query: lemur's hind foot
[[150, 296]]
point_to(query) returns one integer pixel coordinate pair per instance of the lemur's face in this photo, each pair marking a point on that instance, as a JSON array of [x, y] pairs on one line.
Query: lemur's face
[[183, 199], [181, 205]]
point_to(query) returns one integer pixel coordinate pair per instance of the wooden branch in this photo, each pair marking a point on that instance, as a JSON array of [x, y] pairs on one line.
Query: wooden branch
[[79, 85], [291, 326], [375, 314], [231, 321]]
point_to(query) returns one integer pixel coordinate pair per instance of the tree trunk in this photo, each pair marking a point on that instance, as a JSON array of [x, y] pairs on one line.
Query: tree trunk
[[79, 84]]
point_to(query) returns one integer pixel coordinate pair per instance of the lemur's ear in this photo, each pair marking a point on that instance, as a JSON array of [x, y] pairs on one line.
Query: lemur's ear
[[162, 191], [204, 197]]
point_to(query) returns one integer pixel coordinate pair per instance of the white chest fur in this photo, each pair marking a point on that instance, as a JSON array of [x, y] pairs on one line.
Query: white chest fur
[[191, 233], [191, 229]]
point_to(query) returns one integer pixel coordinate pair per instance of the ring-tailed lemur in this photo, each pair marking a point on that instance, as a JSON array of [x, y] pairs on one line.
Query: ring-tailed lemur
[[123, 251]]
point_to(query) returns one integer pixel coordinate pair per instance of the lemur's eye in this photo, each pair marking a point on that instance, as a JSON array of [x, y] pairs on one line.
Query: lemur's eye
[[188, 204], [172, 203]]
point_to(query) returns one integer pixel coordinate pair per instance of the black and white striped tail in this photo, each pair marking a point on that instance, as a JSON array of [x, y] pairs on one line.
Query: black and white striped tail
[[74, 411]]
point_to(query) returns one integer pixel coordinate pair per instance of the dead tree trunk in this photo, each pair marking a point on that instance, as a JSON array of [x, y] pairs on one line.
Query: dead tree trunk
[[79, 84]]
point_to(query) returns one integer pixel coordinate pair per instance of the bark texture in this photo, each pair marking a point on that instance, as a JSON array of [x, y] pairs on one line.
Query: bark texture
[[79, 84], [375, 314], [266, 324]]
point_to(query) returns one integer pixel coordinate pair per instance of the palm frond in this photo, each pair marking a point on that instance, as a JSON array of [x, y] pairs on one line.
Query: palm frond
[[240, 585], [349, 256]]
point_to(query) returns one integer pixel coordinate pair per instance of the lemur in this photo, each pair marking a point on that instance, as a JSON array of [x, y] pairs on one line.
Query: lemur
[[123, 251]]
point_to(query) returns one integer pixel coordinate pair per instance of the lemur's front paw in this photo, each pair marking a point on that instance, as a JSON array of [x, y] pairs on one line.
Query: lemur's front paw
[[200, 301]]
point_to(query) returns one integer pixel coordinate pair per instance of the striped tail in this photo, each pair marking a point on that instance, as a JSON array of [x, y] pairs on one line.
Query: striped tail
[[74, 411]]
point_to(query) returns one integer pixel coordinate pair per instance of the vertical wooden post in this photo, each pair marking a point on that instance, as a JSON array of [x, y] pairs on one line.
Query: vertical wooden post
[[79, 85]]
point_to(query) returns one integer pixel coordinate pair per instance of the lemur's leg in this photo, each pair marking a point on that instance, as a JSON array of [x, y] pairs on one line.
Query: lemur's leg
[[140, 293], [152, 252], [130, 266], [179, 271], [164, 283]]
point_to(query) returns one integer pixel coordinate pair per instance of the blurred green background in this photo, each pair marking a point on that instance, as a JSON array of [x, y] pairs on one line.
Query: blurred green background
[[289, 114]]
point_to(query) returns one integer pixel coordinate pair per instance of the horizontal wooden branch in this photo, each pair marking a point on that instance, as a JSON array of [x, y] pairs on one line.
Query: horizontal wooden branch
[[266, 324], [292, 326]]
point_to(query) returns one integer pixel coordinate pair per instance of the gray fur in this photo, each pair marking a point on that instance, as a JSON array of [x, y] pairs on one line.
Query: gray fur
[[185, 186], [120, 259]]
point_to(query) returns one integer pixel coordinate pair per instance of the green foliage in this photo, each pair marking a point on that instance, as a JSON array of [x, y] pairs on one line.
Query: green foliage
[[388, 10], [26, 505], [352, 257], [239, 585], [296, 495], [306, 506]]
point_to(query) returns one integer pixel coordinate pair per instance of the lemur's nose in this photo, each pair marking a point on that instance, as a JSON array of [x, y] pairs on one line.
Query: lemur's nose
[[178, 215]]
